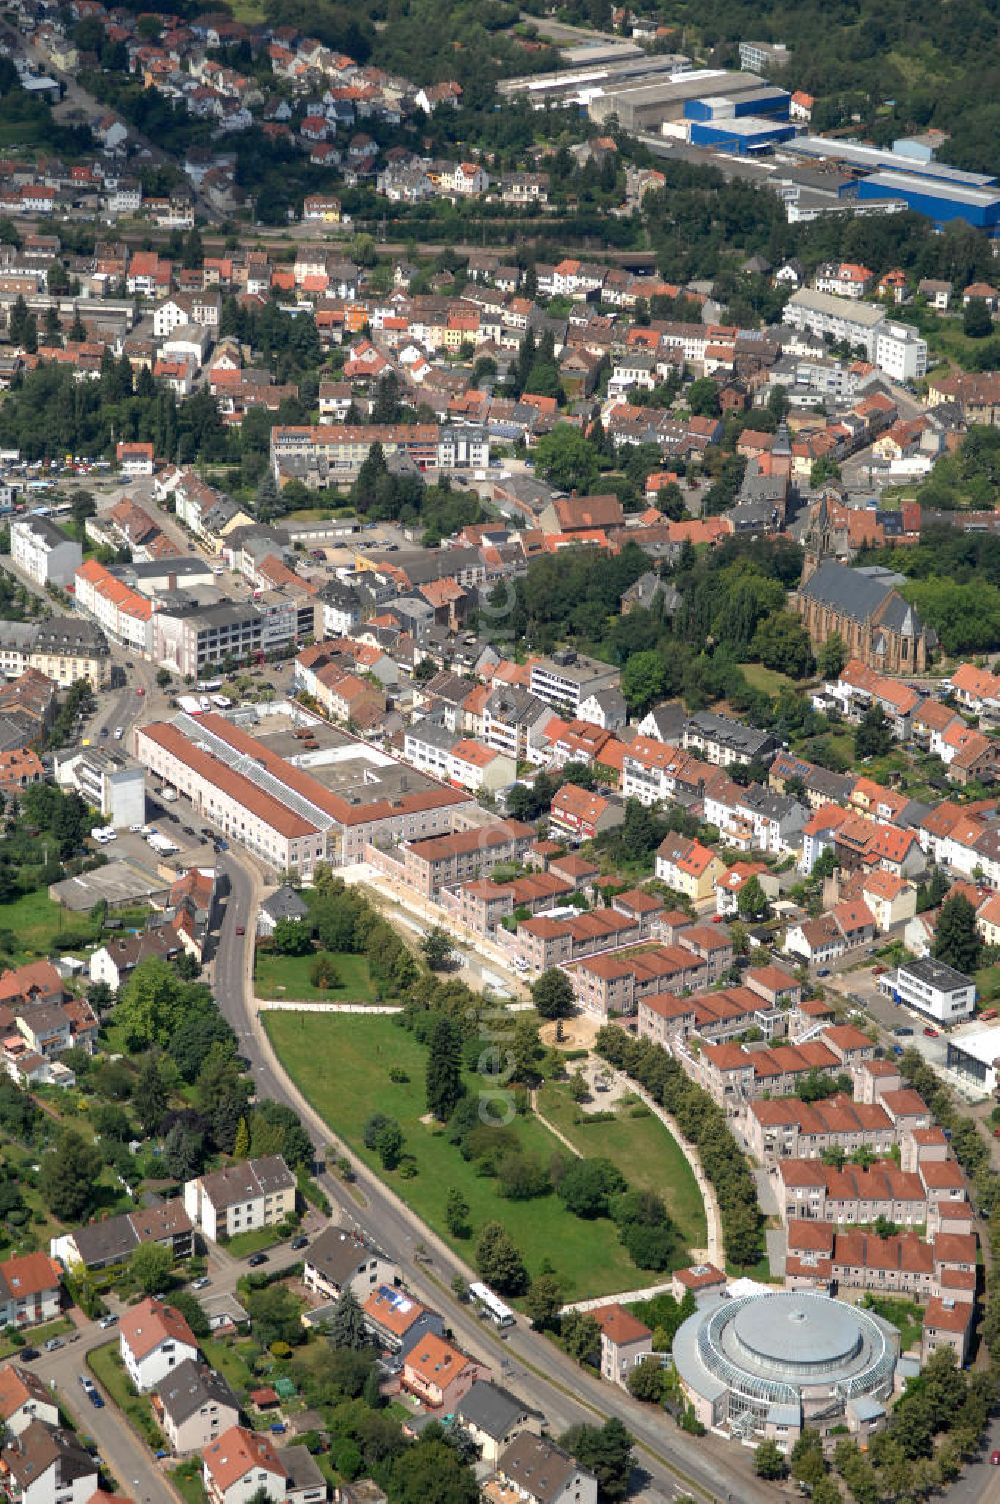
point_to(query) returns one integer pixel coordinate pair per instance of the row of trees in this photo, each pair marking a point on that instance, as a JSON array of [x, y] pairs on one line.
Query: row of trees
[[701, 1121]]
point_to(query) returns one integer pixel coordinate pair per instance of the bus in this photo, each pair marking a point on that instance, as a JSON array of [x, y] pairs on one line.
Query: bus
[[206, 685], [490, 1305]]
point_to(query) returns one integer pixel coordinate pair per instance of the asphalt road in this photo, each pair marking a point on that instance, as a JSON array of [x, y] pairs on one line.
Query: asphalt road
[[523, 1360], [127, 1458]]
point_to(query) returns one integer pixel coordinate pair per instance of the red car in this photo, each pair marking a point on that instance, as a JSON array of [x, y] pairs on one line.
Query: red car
[[994, 1458], [241, 929], [931, 1033], [140, 690]]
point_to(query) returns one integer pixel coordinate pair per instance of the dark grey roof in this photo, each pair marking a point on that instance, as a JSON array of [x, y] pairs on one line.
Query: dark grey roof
[[338, 1255], [491, 1409], [301, 1470], [859, 595], [190, 1386], [285, 904]]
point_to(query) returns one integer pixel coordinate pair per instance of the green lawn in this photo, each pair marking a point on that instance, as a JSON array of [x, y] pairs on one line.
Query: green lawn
[[768, 680], [106, 1366], [37, 923], [281, 977], [643, 1150], [342, 1065], [905, 1315], [229, 1361], [187, 1481], [245, 1243]]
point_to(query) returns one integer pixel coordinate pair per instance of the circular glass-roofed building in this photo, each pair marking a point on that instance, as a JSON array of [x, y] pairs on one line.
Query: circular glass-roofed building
[[765, 1365]]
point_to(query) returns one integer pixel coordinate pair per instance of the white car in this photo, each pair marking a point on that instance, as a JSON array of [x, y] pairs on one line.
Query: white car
[[119, 733]]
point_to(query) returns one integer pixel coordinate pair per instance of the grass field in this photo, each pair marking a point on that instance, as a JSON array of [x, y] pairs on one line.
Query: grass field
[[342, 1065], [905, 1315], [252, 1241], [37, 922], [281, 977], [643, 1150], [768, 680], [227, 1359]]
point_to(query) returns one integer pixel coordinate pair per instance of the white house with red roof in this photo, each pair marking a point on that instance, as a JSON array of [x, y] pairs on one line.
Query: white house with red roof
[[153, 1339], [240, 1465]]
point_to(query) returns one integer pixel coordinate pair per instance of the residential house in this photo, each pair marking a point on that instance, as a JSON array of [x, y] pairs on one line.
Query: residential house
[[25, 1398], [439, 1374], [493, 1417], [193, 1406], [625, 1342], [154, 1338], [339, 1259], [256, 1193], [47, 1465], [536, 1471], [30, 1290]]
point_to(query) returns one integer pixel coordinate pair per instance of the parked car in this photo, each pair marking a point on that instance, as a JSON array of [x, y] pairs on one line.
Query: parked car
[[201, 1284], [988, 1013], [241, 929], [300, 1242], [931, 1033], [28, 1354], [994, 1456], [53, 1343], [824, 971], [256, 1259], [109, 1320]]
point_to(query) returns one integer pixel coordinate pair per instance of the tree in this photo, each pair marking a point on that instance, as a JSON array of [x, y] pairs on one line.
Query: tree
[[581, 1336], [68, 1178], [150, 1096], [499, 1261], [347, 1324], [553, 994], [977, 321], [566, 459], [808, 1464], [587, 1186], [436, 946], [291, 938], [444, 1068], [832, 656], [525, 1051], [457, 1214], [956, 939], [241, 1144], [644, 680], [190, 1308], [274, 1312], [389, 1144], [646, 1381], [752, 901], [703, 397], [768, 1461], [323, 973], [873, 737], [164, 678], [150, 1267], [220, 1094], [782, 643], [431, 1471], [607, 1451], [543, 1301]]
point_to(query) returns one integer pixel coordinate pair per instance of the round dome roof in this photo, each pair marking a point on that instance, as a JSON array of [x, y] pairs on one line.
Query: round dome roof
[[796, 1330]]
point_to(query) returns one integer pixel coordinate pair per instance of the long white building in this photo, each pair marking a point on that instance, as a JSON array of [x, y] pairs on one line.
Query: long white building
[[282, 812], [897, 349]]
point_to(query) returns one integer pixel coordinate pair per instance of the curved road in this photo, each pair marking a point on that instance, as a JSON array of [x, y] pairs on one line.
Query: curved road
[[524, 1360]]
